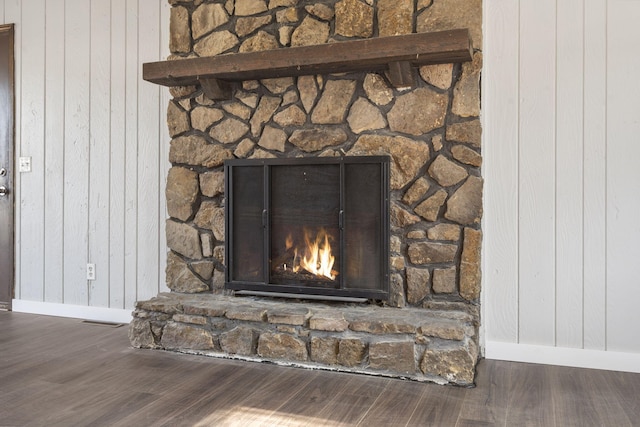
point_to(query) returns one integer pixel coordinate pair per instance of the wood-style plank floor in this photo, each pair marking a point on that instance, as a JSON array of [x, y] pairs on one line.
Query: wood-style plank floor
[[65, 372]]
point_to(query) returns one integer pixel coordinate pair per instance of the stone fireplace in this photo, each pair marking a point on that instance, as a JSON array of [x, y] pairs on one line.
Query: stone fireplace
[[426, 325]]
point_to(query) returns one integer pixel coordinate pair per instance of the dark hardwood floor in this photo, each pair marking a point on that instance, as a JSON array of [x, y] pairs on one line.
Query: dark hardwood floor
[[65, 372]]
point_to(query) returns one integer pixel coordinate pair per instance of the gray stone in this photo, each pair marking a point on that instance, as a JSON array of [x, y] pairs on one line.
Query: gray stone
[[469, 132], [140, 335], [407, 156], [203, 117], [446, 172], [470, 273], [466, 93], [260, 42], [416, 191], [353, 19], [238, 109], [207, 17], [465, 206], [177, 336], [246, 26], [211, 217], [288, 316], [334, 101], [282, 346], [321, 11], [180, 278], [454, 363], [308, 91], [264, 112], [377, 89], [196, 151], [310, 32], [324, 350], [451, 14], [180, 33], [217, 284], [206, 240], [389, 323], [216, 43], [394, 356], [364, 116], [395, 17], [240, 340], [273, 139], [395, 244], [351, 351], [181, 192], [421, 253], [229, 130], [317, 138], [444, 280], [430, 208], [401, 217], [418, 112], [249, 7], [439, 75], [417, 284], [449, 232], [292, 116], [212, 183], [396, 291], [466, 155], [183, 239], [177, 120]]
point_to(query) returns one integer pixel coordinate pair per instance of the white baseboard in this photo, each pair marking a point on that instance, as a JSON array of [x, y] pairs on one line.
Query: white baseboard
[[99, 314], [579, 358]]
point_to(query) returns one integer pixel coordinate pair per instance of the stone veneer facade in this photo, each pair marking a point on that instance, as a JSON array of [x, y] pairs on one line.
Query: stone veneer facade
[[428, 330]]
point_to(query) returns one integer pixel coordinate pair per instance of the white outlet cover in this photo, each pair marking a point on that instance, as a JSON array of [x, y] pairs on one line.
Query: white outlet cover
[[25, 164]]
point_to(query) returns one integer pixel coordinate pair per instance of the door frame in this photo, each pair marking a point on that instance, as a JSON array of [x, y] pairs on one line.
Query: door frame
[[7, 142]]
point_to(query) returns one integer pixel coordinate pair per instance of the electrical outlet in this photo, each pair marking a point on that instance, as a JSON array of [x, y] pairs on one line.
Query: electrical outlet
[[91, 272]]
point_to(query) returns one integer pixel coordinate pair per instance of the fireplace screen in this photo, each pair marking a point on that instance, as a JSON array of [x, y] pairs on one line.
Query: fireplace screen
[[312, 226]]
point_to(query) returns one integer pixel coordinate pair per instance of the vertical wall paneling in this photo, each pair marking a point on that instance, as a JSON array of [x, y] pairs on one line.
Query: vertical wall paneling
[[500, 150], [595, 80], [537, 173], [32, 56], [117, 164], [54, 151], [569, 172], [149, 190], [623, 175], [164, 143], [99, 160]]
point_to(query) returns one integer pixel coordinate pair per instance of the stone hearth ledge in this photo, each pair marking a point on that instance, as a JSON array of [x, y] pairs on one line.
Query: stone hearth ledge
[[436, 343]]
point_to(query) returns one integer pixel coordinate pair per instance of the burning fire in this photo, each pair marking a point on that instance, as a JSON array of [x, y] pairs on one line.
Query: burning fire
[[315, 257]]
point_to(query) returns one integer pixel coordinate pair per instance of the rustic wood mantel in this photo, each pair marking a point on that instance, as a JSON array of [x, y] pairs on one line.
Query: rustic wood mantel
[[397, 54]]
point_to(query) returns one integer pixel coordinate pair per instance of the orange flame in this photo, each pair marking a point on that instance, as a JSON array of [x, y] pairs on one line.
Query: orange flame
[[317, 258]]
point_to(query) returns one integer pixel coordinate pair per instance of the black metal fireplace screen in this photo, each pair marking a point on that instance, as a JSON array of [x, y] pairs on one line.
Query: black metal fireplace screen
[[310, 226]]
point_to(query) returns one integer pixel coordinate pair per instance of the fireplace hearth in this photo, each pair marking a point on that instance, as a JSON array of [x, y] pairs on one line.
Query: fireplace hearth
[[308, 226]]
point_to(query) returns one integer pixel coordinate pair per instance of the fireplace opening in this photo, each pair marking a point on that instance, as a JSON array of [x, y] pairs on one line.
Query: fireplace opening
[[315, 227]]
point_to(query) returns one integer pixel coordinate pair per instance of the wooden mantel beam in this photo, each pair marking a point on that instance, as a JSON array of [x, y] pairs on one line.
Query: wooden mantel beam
[[375, 54]]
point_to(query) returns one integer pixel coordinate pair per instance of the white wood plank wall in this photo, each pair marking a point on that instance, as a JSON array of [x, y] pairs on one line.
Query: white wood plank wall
[[560, 109], [97, 136]]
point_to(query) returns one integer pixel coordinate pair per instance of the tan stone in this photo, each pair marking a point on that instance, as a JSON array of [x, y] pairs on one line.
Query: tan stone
[[180, 33], [321, 11], [140, 335], [353, 19], [333, 103], [284, 35], [395, 17], [397, 262], [446, 330], [248, 99], [246, 26], [430, 208], [203, 117], [180, 278], [451, 14], [407, 156], [244, 148], [290, 97], [262, 154], [421, 253], [196, 151], [278, 3], [181, 91], [282, 346], [181, 192], [177, 119], [229, 130], [249, 7], [470, 272], [211, 217], [383, 324], [466, 155], [206, 242], [416, 191], [469, 132], [217, 284], [394, 356], [417, 284], [264, 112], [292, 116], [288, 316], [207, 17], [438, 75], [179, 336], [395, 244], [212, 183], [310, 32], [377, 89], [215, 43], [444, 280], [465, 206], [273, 139], [239, 340], [317, 138], [324, 350], [246, 312], [328, 321], [455, 363], [446, 172], [449, 232], [183, 239], [351, 351], [466, 93], [418, 112], [188, 318], [364, 116], [436, 141], [417, 234], [308, 91], [204, 269], [279, 85], [238, 109], [401, 217], [259, 42], [218, 254]]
